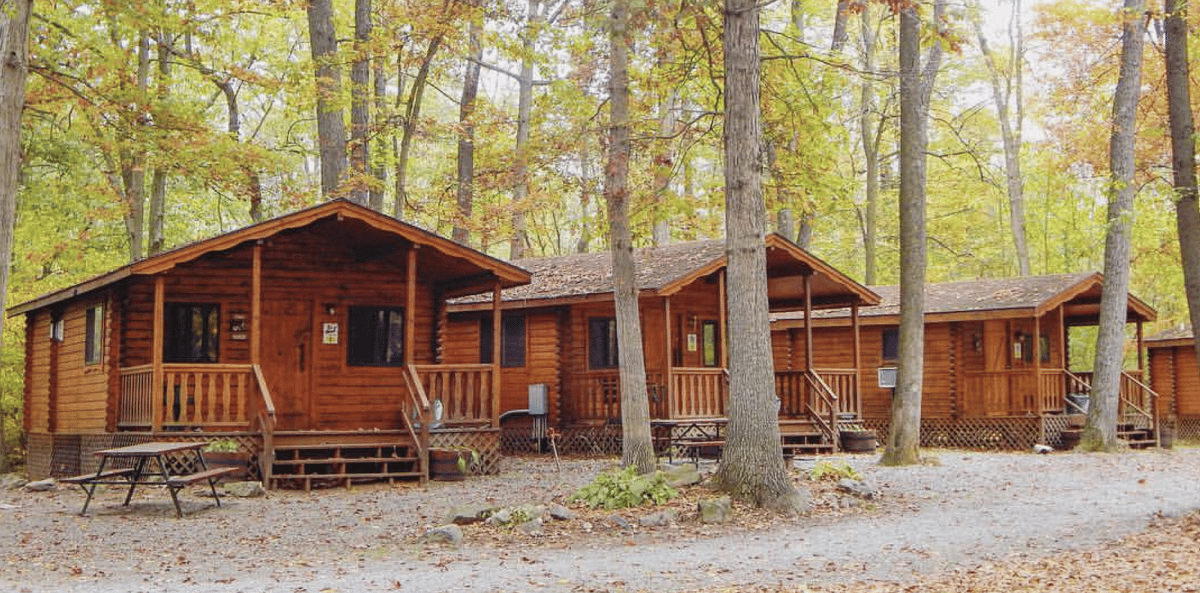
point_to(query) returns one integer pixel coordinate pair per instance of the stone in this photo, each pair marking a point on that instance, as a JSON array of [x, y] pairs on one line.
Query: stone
[[682, 475], [560, 513], [716, 510], [616, 521], [245, 489], [446, 534], [500, 517], [532, 527], [857, 488], [466, 515], [663, 518], [13, 480], [40, 485]]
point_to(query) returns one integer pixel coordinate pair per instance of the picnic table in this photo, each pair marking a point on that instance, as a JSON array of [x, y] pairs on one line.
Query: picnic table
[[689, 436], [131, 466]]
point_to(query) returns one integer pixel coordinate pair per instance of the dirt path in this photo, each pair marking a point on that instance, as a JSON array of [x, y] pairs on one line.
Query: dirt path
[[970, 509]]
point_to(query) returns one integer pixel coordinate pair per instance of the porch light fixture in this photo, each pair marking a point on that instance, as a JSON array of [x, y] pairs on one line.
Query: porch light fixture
[[330, 308]]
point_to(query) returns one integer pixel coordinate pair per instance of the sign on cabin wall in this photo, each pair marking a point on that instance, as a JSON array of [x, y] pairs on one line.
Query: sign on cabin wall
[[237, 326], [691, 342], [329, 333]]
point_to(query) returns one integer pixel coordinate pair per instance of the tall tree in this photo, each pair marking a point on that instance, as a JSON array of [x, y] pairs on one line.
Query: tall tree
[[1100, 432], [520, 236], [1007, 93], [869, 140], [412, 115], [637, 449], [751, 465], [1183, 157], [331, 130], [465, 192], [360, 105], [916, 87], [14, 55]]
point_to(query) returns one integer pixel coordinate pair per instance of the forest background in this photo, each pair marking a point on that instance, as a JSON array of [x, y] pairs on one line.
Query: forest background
[[152, 124]]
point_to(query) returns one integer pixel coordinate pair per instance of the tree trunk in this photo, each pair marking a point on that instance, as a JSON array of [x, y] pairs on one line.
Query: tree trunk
[[916, 86], [1007, 96], [1183, 158], [360, 105], [378, 164], [1100, 432], [663, 165], [14, 66], [637, 449], [751, 465], [158, 183], [331, 131], [841, 21], [132, 187], [466, 139], [585, 196], [412, 113], [870, 146], [520, 237]]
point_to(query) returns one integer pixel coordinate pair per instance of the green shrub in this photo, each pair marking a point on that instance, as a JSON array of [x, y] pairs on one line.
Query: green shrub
[[832, 472], [623, 489]]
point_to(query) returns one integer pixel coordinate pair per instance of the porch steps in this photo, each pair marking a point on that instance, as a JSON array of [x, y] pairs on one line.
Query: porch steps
[[803, 437], [1136, 438], [302, 463]]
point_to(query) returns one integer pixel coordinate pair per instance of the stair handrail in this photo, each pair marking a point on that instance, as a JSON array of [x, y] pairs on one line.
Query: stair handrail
[[266, 421], [420, 402], [822, 390], [1152, 420], [1075, 381]]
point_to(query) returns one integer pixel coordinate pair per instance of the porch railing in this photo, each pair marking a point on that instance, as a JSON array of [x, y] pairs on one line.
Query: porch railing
[[464, 390], [843, 383], [266, 426], [795, 390], [597, 396], [417, 414], [191, 395], [698, 392], [1137, 400]]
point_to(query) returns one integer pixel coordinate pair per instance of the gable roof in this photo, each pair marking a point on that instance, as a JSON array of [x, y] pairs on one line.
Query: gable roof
[[667, 269], [992, 298], [360, 227], [1180, 335]]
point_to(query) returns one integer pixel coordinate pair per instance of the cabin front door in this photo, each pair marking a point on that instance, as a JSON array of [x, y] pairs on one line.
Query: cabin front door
[[287, 360]]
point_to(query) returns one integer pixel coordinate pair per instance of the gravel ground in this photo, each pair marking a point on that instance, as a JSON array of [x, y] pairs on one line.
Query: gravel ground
[[963, 511]]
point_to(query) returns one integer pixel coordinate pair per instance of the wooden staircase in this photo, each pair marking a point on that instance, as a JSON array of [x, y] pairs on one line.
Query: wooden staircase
[[803, 437], [305, 459]]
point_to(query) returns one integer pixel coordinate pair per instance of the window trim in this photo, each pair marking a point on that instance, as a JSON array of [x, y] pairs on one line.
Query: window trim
[[93, 334], [381, 338]]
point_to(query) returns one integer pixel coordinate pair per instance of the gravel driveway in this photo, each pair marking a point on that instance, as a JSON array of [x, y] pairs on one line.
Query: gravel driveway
[[966, 509]]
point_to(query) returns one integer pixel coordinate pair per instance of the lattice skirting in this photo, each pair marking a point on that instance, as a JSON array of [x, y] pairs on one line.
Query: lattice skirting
[[1188, 429], [486, 442], [62, 455], [992, 434]]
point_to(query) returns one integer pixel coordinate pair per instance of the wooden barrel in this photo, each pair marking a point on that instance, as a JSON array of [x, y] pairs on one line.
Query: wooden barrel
[[1070, 438], [443, 466], [858, 441]]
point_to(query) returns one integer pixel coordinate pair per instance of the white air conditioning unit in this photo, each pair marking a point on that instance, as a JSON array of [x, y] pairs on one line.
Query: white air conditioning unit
[[887, 377]]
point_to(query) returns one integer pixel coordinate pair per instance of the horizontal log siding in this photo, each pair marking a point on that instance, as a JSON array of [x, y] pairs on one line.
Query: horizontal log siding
[[37, 367], [81, 390], [937, 398], [1173, 375]]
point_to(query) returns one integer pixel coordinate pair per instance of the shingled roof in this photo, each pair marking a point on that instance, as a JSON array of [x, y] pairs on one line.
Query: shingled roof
[[994, 297], [1180, 335], [664, 270]]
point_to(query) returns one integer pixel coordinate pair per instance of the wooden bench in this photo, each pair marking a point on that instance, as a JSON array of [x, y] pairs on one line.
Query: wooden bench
[[696, 445], [212, 475], [94, 477]]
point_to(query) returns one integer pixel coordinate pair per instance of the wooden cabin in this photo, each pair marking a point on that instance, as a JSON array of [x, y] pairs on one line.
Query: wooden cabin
[[1175, 376], [997, 361], [308, 339], [558, 343]]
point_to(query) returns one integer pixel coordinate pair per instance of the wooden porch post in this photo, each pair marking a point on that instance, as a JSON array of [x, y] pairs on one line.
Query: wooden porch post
[[1038, 408], [669, 360], [256, 305], [857, 360], [497, 338], [156, 354], [410, 305], [808, 333], [1141, 348], [724, 354]]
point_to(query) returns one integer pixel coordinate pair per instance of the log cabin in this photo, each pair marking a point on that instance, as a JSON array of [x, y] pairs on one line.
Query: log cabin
[[307, 339], [558, 346], [1175, 376], [997, 370]]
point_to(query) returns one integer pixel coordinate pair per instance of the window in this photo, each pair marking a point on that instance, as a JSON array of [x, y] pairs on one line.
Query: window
[[891, 344], [602, 342], [1044, 344], [56, 327], [512, 347], [709, 341], [93, 340], [375, 337], [191, 332]]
